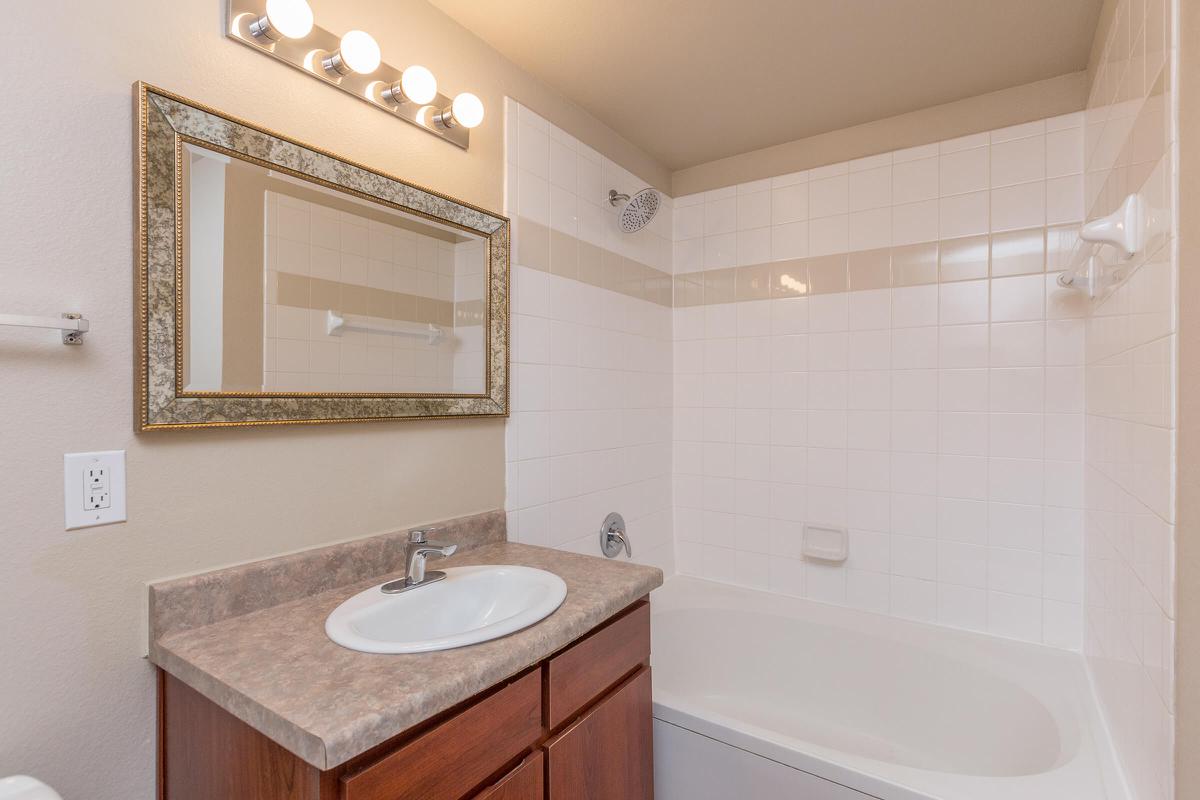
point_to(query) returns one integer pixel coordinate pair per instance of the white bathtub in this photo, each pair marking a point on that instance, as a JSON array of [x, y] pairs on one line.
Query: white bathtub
[[758, 696]]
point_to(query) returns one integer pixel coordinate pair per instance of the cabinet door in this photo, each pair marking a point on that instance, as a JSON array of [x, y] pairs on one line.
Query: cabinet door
[[608, 753], [523, 783]]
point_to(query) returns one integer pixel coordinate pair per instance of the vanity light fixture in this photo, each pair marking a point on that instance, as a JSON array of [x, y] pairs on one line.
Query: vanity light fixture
[[358, 52], [416, 85], [286, 31], [466, 110], [290, 18]]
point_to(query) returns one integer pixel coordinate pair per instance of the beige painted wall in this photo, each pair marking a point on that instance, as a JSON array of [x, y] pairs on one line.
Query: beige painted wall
[[1187, 543], [76, 698], [1048, 98]]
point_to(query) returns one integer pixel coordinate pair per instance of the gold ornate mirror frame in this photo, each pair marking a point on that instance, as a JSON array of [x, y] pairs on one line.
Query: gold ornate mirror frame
[[165, 123]]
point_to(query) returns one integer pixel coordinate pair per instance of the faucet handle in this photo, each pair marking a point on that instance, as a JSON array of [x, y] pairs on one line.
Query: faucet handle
[[420, 535], [613, 536]]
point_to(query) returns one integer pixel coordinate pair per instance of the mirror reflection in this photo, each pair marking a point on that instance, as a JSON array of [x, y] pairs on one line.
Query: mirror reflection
[[289, 286]]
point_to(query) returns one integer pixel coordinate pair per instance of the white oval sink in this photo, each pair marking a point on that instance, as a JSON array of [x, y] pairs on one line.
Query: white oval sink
[[470, 605]]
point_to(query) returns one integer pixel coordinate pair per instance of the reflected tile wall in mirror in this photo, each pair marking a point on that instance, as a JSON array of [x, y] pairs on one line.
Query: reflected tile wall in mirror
[[268, 258]]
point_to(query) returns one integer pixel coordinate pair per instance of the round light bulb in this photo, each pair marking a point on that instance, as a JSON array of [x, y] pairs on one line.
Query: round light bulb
[[292, 18], [467, 110], [360, 52], [418, 84]]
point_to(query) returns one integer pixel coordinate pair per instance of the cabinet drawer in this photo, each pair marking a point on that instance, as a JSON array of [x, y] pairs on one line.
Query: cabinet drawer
[[523, 783], [591, 667], [457, 755]]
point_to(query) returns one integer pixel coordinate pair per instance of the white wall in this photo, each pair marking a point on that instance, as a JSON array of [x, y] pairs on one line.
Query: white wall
[[941, 422], [590, 430]]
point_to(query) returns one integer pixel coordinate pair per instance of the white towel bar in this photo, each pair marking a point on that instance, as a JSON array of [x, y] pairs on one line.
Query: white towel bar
[[73, 326], [1125, 230], [336, 322]]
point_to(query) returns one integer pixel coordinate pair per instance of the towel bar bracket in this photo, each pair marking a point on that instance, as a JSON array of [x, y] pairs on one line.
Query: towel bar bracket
[[74, 336]]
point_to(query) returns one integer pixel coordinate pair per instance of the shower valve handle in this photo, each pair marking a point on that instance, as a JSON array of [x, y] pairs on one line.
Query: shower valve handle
[[613, 537]]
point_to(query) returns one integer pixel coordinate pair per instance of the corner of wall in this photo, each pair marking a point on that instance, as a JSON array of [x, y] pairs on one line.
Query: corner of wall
[[1187, 557]]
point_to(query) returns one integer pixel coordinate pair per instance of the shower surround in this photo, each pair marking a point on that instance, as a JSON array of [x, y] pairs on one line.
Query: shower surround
[[880, 345]]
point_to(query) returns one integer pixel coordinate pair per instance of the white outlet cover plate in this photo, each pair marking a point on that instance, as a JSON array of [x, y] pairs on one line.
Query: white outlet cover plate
[[75, 466]]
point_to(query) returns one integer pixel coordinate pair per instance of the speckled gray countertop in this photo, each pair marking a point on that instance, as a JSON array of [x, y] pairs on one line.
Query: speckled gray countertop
[[275, 669]]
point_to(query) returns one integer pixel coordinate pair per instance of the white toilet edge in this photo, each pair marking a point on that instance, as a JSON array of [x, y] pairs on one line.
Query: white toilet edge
[[23, 787]]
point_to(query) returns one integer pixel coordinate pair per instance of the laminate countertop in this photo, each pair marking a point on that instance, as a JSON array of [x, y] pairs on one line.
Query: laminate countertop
[[275, 669]]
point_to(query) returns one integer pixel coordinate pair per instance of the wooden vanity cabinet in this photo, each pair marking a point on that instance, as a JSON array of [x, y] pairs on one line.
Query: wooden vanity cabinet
[[576, 726]]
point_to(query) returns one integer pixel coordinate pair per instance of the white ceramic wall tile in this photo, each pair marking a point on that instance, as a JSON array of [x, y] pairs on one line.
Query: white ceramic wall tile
[[913, 223], [871, 188], [1018, 161], [964, 143], [576, 448], [915, 180], [754, 209], [964, 171], [1127, 518], [1125, 529], [943, 422], [1019, 206]]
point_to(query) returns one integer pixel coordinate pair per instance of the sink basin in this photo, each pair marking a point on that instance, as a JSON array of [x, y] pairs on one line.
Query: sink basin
[[471, 605]]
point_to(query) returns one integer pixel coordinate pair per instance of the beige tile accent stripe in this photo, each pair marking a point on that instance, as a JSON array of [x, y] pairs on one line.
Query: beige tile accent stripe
[[557, 253], [999, 255], [301, 291], [469, 312]]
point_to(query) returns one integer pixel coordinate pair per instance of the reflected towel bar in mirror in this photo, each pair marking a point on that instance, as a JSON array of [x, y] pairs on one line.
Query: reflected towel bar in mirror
[[335, 323]]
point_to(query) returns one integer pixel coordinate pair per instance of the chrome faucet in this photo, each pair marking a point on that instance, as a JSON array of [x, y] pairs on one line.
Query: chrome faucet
[[416, 552]]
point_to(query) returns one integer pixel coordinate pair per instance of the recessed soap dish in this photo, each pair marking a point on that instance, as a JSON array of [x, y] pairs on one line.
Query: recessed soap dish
[[825, 543]]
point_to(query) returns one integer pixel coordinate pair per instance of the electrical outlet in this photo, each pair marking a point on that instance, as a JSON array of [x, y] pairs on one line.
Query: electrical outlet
[[94, 488]]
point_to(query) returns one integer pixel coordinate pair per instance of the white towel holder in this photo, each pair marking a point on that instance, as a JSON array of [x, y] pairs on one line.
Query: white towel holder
[[335, 323], [1085, 278], [1124, 229], [72, 325]]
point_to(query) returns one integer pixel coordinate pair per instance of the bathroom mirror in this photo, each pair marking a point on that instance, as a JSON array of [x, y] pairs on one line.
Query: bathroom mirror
[[281, 284]]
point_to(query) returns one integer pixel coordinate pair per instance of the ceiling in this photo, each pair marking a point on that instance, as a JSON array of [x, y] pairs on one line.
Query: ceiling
[[691, 81]]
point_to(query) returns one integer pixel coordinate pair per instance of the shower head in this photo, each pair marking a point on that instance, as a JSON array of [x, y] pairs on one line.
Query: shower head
[[638, 210]]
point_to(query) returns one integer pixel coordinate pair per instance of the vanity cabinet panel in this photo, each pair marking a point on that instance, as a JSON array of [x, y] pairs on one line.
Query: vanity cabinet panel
[[587, 669], [450, 760], [607, 754], [206, 752], [526, 782], [575, 726]]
